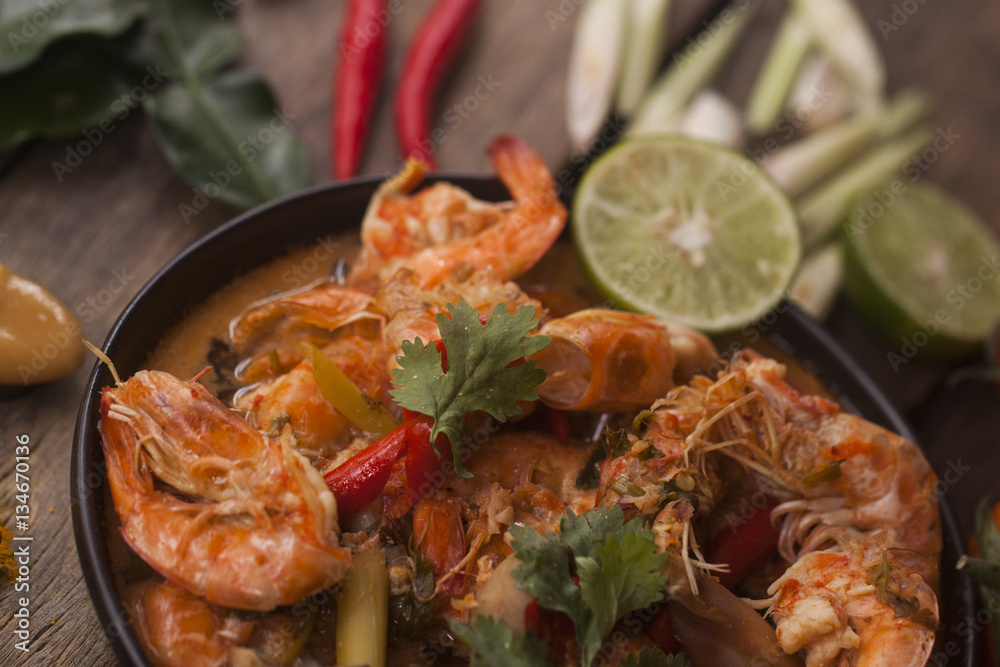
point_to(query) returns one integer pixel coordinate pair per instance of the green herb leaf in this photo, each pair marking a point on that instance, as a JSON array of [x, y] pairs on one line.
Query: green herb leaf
[[880, 576], [478, 376], [617, 565], [624, 577], [29, 26], [226, 135], [494, 644], [74, 88], [827, 473], [651, 657]]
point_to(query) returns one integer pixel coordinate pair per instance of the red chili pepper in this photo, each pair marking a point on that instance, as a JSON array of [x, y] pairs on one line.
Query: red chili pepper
[[746, 547], [558, 423], [362, 55], [360, 480], [661, 631], [431, 53], [421, 460]]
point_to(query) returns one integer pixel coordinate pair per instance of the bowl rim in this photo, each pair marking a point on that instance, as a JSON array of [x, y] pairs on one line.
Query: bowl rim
[[791, 329]]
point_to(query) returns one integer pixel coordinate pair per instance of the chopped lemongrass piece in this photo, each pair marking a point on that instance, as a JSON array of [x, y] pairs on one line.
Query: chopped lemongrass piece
[[594, 66], [363, 612], [804, 164], [712, 117], [984, 571], [691, 71], [820, 95], [842, 34], [777, 76], [821, 210], [346, 397], [818, 281], [645, 44]]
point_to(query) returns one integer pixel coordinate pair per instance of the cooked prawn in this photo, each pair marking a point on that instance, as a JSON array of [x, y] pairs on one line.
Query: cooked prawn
[[610, 360], [855, 604], [442, 230], [876, 492], [248, 523], [294, 398], [180, 628]]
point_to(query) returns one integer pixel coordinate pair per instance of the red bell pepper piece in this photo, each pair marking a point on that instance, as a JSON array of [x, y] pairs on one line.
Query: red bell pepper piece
[[433, 49], [746, 547], [362, 56]]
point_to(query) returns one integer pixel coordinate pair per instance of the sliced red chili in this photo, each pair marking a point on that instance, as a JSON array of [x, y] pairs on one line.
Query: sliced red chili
[[421, 460], [558, 423], [431, 53], [746, 547], [661, 631], [362, 57], [360, 480]]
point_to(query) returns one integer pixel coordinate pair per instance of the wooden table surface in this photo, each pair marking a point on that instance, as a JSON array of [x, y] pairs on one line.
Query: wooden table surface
[[95, 237]]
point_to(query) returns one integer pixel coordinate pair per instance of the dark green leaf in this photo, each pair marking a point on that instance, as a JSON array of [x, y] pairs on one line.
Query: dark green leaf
[[990, 599], [191, 39], [229, 138], [77, 87], [827, 473], [478, 376], [29, 26], [494, 644], [908, 607]]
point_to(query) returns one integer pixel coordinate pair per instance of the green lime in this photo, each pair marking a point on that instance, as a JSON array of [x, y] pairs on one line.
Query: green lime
[[687, 231], [923, 269]]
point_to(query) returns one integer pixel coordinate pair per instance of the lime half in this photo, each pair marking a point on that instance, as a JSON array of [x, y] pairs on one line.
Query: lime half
[[687, 231], [924, 270]]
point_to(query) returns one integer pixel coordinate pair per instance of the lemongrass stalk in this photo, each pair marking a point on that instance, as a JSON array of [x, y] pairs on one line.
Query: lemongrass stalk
[[594, 65], [712, 117], [777, 76], [363, 612], [984, 571], [820, 95], [802, 165], [818, 281], [842, 34], [346, 397], [822, 209], [645, 45], [691, 71]]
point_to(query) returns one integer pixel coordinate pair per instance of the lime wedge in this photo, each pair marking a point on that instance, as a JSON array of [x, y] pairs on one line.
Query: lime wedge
[[687, 231], [924, 270]]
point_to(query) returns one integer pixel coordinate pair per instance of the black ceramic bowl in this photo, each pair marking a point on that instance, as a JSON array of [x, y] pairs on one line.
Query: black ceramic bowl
[[301, 219]]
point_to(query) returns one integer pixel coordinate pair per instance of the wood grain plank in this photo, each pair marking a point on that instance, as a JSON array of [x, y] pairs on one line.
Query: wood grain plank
[[118, 212]]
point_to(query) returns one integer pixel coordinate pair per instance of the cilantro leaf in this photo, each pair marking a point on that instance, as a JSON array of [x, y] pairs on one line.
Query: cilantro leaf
[[624, 577], [616, 562], [494, 644], [650, 657], [478, 376]]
